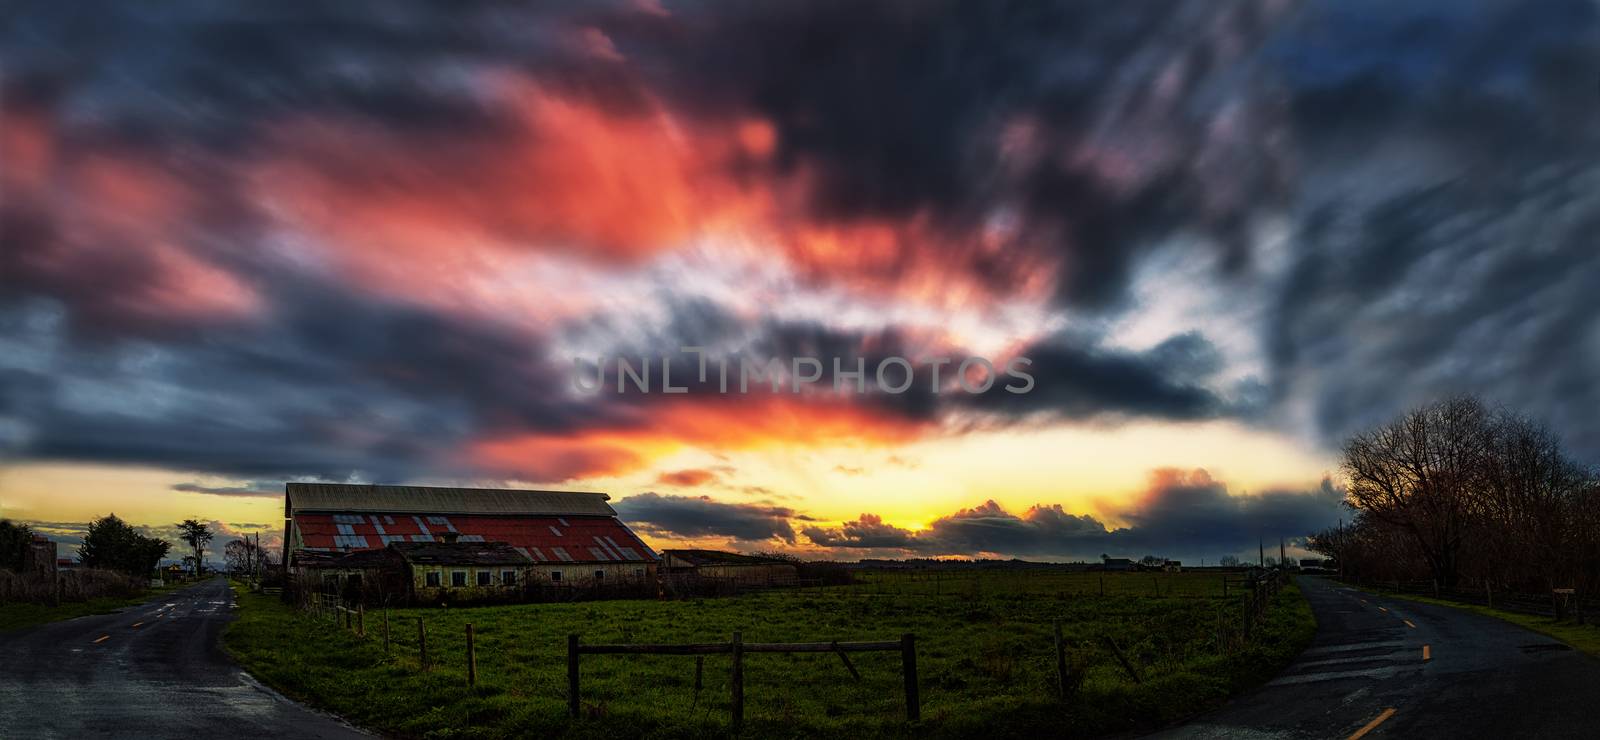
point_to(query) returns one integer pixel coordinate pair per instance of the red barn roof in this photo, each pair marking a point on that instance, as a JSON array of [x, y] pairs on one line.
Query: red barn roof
[[544, 539]]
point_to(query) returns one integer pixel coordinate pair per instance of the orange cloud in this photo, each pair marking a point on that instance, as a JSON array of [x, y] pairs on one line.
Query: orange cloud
[[420, 214], [732, 423], [567, 176], [687, 478], [119, 220]]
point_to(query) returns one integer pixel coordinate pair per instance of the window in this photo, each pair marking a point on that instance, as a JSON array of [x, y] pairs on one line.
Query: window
[[599, 575], [433, 578], [458, 578], [508, 578], [485, 578], [555, 575], [638, 572]]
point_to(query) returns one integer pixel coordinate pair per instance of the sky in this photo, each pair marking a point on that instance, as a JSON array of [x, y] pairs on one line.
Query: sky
[[243, 244]]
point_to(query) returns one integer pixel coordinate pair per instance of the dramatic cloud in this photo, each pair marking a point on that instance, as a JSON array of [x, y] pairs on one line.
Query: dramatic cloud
[[700, 516], [367, 240], [687, 478], [1181, 514]]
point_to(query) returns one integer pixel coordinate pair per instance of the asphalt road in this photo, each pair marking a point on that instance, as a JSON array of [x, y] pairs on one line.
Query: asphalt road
[[152, 671], [1443, 672]]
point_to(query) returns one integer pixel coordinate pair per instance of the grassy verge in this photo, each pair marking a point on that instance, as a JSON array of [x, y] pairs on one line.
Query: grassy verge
[[18, 616], [985, 659], [1583, 637]]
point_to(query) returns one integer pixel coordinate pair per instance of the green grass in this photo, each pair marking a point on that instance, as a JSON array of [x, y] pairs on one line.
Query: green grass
[[18, 616], [985, 659], [1583, 637]]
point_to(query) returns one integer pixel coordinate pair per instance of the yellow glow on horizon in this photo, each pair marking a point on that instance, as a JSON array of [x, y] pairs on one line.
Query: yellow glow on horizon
[[1087, 469], [63, 492], [1096, 470]]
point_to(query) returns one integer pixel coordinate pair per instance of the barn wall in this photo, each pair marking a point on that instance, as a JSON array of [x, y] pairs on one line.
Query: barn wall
[[756, 573], [576, 575]]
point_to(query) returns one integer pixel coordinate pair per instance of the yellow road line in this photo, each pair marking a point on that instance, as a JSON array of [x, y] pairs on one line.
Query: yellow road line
[[135, 625], [1409, 624], [1378, 720], [103, 638], [1383, 609], [1427, 654]]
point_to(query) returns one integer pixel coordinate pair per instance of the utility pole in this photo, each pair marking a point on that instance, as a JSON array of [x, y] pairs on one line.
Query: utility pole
[[1283, 556], [1261, 552]]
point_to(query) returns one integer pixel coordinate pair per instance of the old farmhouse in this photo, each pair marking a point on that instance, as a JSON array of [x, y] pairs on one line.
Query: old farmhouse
[[412, 543]]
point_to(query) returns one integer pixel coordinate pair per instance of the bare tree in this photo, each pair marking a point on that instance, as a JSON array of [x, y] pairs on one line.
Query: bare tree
[[197, 535], [1455, 490], [1420, 473]]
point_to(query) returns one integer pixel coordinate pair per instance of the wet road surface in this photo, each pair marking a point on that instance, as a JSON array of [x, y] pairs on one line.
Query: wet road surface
[[1394, 668], [152, 671]]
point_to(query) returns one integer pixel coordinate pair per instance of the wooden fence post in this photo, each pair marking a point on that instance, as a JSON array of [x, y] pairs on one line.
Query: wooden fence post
[[472, 658], [422, 644], [1123, 659], [1061, 660], [361, 620], [908, 666], [738, 682], [572, 675]]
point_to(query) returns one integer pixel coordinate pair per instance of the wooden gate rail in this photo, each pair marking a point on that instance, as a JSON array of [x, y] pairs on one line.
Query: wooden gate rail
[[907, 645]]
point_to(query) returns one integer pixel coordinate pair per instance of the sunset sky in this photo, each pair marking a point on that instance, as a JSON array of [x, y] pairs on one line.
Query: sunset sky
[[247, 243]]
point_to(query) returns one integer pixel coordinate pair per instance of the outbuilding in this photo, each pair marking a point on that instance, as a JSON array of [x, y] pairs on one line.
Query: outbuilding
[[745, 570]]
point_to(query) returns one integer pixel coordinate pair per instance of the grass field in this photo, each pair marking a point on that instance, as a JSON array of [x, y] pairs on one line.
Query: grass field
[[18, 616], [985, 657]]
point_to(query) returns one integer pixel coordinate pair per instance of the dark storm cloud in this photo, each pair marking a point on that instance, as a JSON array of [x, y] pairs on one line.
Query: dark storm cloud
[[699, 516], [270, 490], [1075, 375], [905, 108], [1181, 514], [867, 532], [1435, 163], [332, 386], [891, 109], [1076, 379], [1446, 244]]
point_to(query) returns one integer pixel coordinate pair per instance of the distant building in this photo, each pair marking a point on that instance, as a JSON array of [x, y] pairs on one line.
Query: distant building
[[742, 569], [39, 558], [475, 539], [66, 564], [1173, 566], [1118, 564]]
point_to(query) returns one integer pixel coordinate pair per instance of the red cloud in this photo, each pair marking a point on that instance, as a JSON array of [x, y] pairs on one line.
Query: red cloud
[[747, 422]]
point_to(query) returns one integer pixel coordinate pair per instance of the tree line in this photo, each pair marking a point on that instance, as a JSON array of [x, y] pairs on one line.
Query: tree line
[[1466, 494]]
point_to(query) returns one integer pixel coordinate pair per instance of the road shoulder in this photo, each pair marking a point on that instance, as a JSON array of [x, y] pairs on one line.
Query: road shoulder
[[1584, 638]]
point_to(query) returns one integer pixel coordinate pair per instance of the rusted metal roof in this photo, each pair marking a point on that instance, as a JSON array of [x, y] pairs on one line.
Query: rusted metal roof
[[718, 557], [546, 539], [301, 497]]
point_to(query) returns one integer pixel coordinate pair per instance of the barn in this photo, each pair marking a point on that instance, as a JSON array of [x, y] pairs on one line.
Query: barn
[[744, 570], [456, 544]]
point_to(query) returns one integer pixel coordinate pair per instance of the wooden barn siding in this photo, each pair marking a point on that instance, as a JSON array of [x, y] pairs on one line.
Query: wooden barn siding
[[572, 574]]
